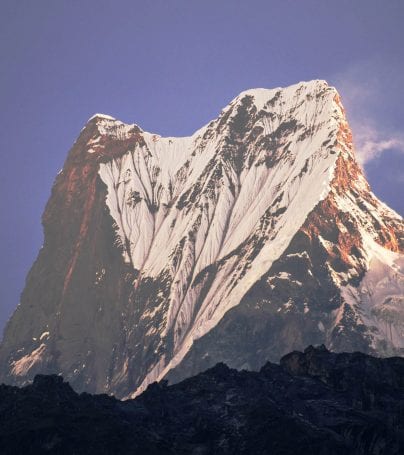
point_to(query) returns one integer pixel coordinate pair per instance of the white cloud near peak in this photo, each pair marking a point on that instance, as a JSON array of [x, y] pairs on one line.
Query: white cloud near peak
[[363, 91], [370, 142]]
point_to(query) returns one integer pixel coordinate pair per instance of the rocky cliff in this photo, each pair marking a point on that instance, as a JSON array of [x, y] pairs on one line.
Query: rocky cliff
[[313, 403]]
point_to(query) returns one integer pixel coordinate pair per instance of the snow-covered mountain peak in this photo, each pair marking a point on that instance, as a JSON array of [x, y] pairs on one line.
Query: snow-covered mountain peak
[[266, 99], [299, 103], [256, 235], [261, 138], [100, 117]]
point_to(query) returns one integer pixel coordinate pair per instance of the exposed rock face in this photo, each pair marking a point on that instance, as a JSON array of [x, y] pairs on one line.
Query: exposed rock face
[[315, 402], [255, 236]]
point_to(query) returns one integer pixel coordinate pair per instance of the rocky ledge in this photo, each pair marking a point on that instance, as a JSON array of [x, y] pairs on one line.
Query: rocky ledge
[[314, 402]]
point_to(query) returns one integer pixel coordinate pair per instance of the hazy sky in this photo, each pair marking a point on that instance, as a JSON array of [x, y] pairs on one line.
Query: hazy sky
[[170, 66]]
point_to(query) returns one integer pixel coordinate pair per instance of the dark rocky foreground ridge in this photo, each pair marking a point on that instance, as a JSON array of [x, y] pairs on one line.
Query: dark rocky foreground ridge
[[314, 402]]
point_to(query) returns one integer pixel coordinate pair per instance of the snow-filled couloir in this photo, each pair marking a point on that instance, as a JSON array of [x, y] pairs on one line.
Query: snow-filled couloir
[[256, 235]]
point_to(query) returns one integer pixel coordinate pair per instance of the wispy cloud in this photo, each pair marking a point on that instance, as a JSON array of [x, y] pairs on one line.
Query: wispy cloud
[[371, 142], [363, 90]]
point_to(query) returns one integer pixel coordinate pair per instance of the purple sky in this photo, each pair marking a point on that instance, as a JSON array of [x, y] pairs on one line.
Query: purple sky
[[170, 66]]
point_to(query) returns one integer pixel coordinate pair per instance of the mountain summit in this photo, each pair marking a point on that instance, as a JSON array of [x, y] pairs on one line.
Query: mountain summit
[[255, 236]]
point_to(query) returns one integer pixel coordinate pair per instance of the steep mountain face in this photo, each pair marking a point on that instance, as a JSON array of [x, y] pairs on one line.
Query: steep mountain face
[[253, 237], [345, 404]]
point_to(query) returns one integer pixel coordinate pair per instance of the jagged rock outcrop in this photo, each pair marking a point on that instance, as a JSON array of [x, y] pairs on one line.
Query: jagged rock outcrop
[[314, 402], [255, 236]]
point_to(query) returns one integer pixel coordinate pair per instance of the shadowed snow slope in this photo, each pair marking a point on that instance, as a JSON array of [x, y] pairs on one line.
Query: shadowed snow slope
[[256, 235]]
